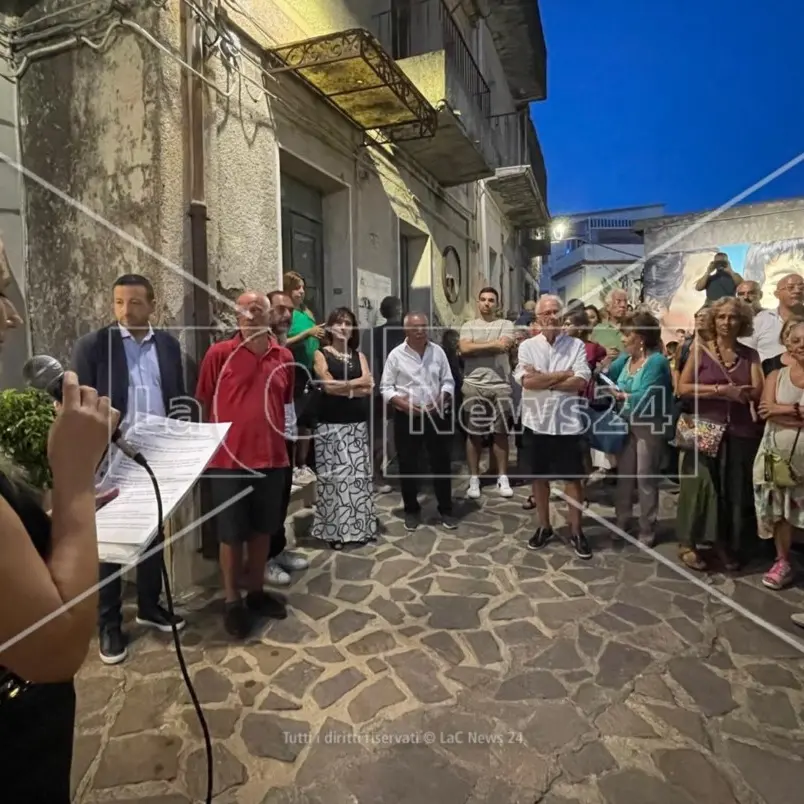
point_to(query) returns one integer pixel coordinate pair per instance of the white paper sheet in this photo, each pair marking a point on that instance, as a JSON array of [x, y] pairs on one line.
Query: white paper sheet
[[177, 452]]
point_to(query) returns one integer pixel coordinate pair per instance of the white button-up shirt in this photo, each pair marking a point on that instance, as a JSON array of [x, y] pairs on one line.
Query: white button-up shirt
[[422, 379], [767, 330], [553, 412]]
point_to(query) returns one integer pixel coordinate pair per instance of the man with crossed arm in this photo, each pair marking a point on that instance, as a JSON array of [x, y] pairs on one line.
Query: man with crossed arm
[[553, 371]]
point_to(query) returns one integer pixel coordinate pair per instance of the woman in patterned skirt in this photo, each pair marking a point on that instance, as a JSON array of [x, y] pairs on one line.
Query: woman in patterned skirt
[[344, 510]]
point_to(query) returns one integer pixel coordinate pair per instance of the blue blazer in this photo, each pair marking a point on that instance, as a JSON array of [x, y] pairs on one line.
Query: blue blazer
[[99, 360]]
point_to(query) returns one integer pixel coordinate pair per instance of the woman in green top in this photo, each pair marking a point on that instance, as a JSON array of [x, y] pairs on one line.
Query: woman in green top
[[645, 389], [303, 340]]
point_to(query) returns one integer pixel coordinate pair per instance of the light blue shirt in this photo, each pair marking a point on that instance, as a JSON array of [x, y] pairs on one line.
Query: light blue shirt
[[144, 378]]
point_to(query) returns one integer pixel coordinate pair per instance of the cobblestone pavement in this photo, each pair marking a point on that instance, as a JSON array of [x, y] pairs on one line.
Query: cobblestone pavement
[[539, 678]]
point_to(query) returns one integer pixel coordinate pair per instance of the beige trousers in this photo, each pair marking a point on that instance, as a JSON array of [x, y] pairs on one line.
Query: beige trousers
[[638, 466]]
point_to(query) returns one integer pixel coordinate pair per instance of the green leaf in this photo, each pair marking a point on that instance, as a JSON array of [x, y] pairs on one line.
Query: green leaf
[[25, 420]]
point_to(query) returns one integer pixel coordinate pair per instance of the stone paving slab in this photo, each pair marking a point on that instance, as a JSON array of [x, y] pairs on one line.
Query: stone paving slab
[[460, 667]]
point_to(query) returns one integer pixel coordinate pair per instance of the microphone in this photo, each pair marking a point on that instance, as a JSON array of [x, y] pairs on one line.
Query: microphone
[[45, 373]]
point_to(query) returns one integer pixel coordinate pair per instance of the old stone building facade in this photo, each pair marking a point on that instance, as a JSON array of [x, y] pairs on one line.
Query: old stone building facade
[[376, 146]]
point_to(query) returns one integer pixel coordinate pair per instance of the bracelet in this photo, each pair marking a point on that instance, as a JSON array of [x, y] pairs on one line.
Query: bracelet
[[717, 390], [797, 409]]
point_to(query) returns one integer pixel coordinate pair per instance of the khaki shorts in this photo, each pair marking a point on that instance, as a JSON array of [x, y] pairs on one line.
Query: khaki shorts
[[486, 409]]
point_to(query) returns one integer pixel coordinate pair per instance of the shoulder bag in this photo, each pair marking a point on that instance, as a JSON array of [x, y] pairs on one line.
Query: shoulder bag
[[694, 432], [778, 469]]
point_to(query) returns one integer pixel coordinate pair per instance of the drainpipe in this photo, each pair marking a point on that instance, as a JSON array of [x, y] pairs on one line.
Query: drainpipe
[[195, 191], [195, 195]]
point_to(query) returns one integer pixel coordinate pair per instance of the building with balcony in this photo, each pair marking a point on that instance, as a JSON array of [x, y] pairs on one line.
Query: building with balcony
[[595, 253], [377, 147]]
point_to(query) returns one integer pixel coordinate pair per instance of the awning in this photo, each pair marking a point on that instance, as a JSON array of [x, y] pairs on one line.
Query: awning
[[352, 72]]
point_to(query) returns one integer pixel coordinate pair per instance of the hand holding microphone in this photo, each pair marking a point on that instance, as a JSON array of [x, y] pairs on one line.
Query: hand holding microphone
[[46, 374], [79, 436]]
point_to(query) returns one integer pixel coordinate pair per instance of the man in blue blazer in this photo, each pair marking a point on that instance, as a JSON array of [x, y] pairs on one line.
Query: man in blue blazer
[[140, 370]]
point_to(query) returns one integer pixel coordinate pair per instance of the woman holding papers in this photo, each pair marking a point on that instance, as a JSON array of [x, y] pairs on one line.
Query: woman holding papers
[[644, 387], [48, 602]]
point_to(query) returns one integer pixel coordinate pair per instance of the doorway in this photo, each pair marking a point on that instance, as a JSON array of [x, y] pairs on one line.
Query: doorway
[[303, 239]]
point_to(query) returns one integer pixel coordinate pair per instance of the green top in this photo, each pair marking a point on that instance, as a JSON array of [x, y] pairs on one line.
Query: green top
[[608, 336], [303, 352], [649, 389]]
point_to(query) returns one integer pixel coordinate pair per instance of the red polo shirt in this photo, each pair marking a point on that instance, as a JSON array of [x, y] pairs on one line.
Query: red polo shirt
[[249, 390]]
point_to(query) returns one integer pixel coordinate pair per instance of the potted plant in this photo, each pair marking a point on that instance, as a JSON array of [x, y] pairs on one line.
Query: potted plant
[[25, 420]]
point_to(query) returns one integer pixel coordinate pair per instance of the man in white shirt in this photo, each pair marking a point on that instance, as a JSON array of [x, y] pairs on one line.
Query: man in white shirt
[[485, 346], [553, 371], [768, 323], [417, 383]]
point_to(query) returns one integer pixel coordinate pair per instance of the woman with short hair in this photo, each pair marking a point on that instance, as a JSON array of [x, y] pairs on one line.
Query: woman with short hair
[[645, 390]]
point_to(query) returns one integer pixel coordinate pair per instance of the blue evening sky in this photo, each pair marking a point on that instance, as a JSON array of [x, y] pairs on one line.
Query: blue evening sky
[[683, 102]]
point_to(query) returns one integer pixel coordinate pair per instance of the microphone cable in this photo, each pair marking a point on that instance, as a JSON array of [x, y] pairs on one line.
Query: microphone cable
[[160, 535]]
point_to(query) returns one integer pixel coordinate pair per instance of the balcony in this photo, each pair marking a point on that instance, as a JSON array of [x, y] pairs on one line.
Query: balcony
[[519, 184], [428, 46]]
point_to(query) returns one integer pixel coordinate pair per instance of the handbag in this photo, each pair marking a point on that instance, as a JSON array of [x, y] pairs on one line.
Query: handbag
[[609, 430], [307, 405], [696, 433], [779, 471]]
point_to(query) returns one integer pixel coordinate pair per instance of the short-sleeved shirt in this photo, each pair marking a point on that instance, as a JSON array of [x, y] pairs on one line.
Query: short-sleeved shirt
[[720, 286], [487, 370], [608, 336], [304, 352], [253, 392]]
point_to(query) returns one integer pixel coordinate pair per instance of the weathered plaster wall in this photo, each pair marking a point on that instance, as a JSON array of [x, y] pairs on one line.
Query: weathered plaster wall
[[92, 126], [12, 231]]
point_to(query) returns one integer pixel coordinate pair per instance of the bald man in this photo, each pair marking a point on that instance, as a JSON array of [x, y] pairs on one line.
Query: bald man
[[140, 369], [768, 323], [248, 380]]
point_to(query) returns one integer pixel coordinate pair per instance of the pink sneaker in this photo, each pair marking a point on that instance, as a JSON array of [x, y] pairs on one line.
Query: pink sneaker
[[779, 575]]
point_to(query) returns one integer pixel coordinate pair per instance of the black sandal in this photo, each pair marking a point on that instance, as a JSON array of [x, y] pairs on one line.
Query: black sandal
[[529, 504]]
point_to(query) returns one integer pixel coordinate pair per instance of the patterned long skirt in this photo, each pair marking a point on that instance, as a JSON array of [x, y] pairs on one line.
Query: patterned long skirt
[[344, 507]]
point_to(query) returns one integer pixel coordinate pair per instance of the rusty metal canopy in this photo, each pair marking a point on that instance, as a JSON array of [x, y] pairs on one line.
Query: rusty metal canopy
[[353, 72]]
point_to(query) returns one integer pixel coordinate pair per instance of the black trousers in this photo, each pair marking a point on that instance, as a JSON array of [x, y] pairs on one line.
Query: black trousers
[[279, 540], [149, 589], [415, 436]]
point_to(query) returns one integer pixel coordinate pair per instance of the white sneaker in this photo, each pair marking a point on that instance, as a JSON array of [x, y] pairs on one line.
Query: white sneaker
[[275, 575], [386, 489], [302, 475], [473, 492], [504, 487], [291, 562]]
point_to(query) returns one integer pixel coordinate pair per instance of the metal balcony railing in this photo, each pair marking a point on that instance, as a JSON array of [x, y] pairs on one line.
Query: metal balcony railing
[[517, 144], [416, 27]]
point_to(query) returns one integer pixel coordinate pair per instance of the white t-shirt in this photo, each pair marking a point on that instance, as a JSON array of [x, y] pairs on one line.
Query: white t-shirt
[[487, 369], [553, 412]]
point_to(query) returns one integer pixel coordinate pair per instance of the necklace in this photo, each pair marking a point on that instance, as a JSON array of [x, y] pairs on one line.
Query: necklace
[[727, 366], [344, 357]]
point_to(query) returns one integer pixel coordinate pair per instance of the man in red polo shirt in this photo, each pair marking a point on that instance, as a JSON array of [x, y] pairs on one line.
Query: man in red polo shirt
[[248, 380]]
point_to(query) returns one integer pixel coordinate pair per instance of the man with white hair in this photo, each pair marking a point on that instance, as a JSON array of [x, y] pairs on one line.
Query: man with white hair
[[417, 384], [553, 371], [608, 333]]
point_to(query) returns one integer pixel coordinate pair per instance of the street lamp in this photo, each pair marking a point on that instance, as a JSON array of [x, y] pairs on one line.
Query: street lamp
[[560, 229]]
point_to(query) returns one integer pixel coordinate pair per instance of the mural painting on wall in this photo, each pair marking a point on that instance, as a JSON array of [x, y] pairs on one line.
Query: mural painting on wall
[[669, 279]]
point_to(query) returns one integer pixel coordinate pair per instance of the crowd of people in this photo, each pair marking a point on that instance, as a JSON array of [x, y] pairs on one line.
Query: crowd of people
[[588, 396]]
